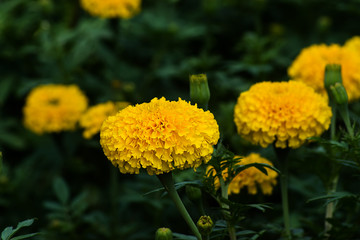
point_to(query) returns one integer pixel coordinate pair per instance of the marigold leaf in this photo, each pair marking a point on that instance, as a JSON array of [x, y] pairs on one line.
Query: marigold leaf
[[183, 236], [25, 236], [6, 234], [61, 190], [334, 197], [25, 223]]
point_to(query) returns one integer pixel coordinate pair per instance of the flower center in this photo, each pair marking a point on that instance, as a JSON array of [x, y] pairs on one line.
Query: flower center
[[54, 102]]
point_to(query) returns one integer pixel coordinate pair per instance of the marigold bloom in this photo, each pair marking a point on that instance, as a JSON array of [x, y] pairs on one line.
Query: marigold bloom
[[54, 108], [112, 8], [353, 43], [250, 177], [92, 119], [286, 113], [159, 136], [309, 67]]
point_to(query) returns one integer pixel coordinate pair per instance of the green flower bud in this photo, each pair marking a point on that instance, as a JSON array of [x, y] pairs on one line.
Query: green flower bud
[[324, 23], [205, 225], [339, 94], [199, 90], [332, 75], [163, 234], [193, 193]]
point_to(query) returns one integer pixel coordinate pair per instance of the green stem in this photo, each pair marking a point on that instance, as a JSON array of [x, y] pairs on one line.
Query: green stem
[[168, 183], [224, 194], [330, 207], [283, 166], [285, 201], [331, 188], [333, 122]]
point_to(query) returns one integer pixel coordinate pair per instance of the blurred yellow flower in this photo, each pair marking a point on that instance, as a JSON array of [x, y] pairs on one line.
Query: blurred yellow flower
[[250, 177], [309, 67], [286, 113], [92, 119], [54, 108], [353, 43], [112, 8], [159, 136]]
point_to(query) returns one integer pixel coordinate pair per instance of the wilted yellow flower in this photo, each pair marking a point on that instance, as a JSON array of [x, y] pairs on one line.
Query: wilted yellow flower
[[309, 67], [250, 177], [286, 113], [54, 108], [112, 8], [159, 136], [92, 119]]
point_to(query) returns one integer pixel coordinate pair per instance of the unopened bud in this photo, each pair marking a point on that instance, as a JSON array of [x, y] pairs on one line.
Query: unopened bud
[[332, 75], [199, 90], [324, 23], [205, 225], [339, 93], [193, 193], [163, 234]]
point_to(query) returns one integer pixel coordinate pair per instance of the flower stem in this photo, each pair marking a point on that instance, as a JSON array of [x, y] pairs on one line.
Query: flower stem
[[331, 187], [330, 207], [283, 166], [224, 194], [168, 183], [333, 122]]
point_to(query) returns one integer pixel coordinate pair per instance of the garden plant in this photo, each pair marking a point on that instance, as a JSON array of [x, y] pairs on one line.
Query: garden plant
[[179, 119]]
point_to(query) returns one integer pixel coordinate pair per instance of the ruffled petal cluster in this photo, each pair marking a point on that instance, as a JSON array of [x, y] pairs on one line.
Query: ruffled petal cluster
[[252, 178], [159, 136], [286, 113], [112, 8], [353, 44], [54, 108], [93, 118], [309, 67]]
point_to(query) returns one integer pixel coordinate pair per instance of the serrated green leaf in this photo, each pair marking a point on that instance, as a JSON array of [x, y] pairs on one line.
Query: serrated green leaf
[[6, 234], [25, 236], [261, 166], [333, 197], [54, 206], [154, 191], [25, 223], [348, 163], [183, 236], [245, 232], [61, 190], [79, 204], [261, 207], [12, 140]]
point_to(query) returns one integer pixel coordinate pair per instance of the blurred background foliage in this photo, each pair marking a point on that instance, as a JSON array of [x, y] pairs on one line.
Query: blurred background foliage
[[68, 184]]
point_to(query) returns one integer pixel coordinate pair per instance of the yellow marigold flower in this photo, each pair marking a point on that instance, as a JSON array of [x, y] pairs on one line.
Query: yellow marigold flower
[[54, 108], [159, 136], [112, 8], [286, 113], [309, 67], [92, 119], [250, 177], [353, 43]]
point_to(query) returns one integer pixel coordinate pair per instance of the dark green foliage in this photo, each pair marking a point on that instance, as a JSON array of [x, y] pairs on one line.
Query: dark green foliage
[[75, 193]]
